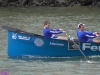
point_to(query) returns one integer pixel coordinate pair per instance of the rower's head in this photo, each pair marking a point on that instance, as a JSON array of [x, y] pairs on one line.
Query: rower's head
[[81, 26], [46, 24]]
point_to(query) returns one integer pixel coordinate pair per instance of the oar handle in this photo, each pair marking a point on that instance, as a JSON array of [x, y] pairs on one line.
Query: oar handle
[[69, 38]]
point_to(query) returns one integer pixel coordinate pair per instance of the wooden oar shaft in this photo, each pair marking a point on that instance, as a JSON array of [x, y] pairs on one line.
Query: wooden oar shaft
[[80, 50], [78, 47]]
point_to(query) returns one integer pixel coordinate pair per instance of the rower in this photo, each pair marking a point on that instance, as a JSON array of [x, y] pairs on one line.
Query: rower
[[85, 36], [49, 33]]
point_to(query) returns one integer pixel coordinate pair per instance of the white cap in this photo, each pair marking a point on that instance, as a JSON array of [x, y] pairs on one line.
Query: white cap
[[80, 24]]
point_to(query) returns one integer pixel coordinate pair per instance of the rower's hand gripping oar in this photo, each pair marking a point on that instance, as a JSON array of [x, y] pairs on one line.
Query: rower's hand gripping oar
[[71, 39]]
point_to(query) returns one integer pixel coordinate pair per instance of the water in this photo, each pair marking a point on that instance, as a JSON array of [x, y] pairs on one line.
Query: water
[[31, 20]]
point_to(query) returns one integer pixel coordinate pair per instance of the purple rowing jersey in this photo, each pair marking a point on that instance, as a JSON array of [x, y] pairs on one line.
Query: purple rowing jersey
[[49, 32], [85, 36]]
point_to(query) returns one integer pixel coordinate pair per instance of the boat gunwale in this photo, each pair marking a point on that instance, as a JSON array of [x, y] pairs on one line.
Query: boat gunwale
[[28, 33]]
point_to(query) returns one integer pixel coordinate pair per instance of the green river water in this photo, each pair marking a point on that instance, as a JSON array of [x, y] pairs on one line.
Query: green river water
[[31, 19]]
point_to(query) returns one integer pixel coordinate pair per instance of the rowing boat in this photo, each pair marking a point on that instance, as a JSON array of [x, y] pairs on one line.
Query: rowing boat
[[21, 43]]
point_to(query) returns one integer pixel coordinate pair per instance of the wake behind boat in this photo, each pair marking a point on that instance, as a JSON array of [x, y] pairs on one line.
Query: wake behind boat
[[21, 43]]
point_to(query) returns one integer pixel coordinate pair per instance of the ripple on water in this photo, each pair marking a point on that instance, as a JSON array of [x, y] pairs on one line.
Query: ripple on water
[[32, 20]]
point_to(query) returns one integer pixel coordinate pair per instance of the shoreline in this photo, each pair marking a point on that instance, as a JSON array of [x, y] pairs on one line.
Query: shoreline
[[49, 3]]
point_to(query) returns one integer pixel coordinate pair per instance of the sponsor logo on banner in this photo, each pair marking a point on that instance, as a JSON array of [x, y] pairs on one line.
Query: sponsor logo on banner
[[56, 44], [72, 46], [23, 37], [14, 35], [90, 46], [38, 42]]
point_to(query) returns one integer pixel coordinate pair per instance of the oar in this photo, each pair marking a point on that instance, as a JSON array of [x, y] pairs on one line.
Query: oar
[[79, 48], [80, 51]]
